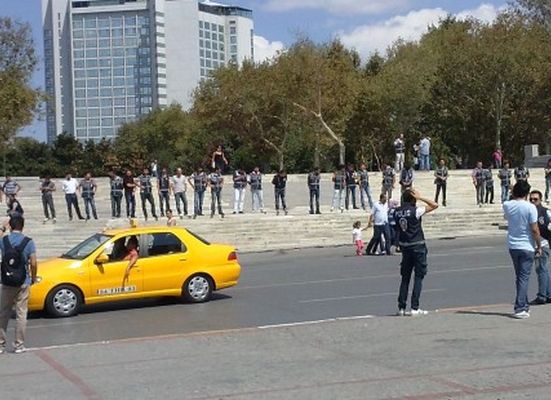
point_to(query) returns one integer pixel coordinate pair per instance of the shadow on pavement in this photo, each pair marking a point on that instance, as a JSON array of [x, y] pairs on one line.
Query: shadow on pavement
[[486, 313]]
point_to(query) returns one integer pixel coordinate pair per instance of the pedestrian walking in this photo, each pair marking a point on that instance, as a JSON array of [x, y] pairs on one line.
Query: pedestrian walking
[[70, 187], [357, 237], [381, 228], [280, 186], [411, 239], [400, 150], [179, 188], [339, 186], [314, 179], [497, 157], [116, 185], [216, 182], [146, 193], [351, 184], [239, 185], [47, 188], [441, 181], [10, 187], [489, 185], [521, 173], [406, 178], [164, 186], [198, 181], [257, 194], [424, 153], [389, 181], [542, 270], [219, 160], [88, 187], [505, 176], [523, 241], [19, 272], [365, 190], [129, 193], [478, 176], [547, 180]]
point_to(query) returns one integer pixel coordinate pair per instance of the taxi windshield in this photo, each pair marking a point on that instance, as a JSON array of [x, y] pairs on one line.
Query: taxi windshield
[[83, 250]]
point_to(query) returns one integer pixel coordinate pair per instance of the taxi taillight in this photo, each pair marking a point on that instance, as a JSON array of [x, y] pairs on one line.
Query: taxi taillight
[[232, 256]]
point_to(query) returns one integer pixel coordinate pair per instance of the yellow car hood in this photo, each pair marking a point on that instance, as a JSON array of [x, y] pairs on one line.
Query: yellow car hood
[[56, 265]]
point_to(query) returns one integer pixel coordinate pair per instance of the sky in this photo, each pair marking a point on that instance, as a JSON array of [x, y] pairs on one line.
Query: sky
[[366, 25]]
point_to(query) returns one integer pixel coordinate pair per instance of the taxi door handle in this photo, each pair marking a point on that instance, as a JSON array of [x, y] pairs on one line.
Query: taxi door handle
[[183, 259]]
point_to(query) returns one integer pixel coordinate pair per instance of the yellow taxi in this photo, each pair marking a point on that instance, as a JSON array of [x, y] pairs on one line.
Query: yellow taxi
[[171, 262]]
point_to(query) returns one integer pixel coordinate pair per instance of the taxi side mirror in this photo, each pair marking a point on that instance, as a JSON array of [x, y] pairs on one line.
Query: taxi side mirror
[[102, 259]]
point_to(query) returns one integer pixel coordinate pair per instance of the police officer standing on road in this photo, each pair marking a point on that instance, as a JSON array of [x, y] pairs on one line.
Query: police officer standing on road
[[365, 191], [215, 182], [163, 185], [406, 178], [505, 175], [280, 184], [70, 186], [478, 176], [489, 184], [117, 187], [441, 181], [314, 179], [521, 173], [198, 181], [255, 180], [146, 193], [179, 188], [544, 219], [339, 183], [239, 185], [414, 250], [47, 187], [400, 150], [351, 182], [389, 181], [88, 189], [129, 195]]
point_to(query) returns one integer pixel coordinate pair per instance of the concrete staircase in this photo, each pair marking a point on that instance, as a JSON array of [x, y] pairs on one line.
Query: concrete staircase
[[259, 232]]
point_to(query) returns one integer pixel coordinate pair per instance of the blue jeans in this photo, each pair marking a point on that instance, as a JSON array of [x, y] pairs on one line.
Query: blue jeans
[[414, 260], [198, 197], [522, 261], [424, 162], [547, 188], [504, 193], [544, 289], [365, 192], [130, 198]]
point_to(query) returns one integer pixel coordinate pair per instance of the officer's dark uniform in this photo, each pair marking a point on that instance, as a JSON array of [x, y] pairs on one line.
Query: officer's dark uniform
[[388, 182], [117, 188], [522, 174], [351, 188], [216, 180], [505, 176], [478, 175], [314, 186], [339, 187], [146, 194], [365, 191], [544, 284], [164, 193], [489, 183], [255, 180], [87, 187], [200, 185], [414, 254], [441, 183], [406, 179], [46, 187], [280, 185]]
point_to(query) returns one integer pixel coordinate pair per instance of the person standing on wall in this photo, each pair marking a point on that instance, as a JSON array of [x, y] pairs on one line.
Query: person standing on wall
[[257, 195], [47, 188], [441, 181], [400, 150], [239, 185], [129, 184], [117, 188], [163, 186], [505, 176], [314, 179], [280, 186]]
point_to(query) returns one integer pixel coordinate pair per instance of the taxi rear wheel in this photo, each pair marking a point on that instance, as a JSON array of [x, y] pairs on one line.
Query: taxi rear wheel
[[198, 289], [64, 301]]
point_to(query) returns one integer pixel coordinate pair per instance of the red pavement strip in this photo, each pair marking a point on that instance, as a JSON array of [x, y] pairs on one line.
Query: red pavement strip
[[73, 378]]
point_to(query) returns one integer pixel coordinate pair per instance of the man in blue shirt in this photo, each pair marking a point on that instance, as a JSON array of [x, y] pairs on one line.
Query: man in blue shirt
[[523, 241], [17, 297]]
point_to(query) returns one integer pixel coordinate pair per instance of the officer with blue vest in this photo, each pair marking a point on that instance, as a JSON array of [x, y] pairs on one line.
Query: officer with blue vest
[[389, 181], [414, 250], [117, 188], [146, 193], [400, 150], [505, 175], [257, 195], [351, 183], [478, 177], [239, 185], [339, 186], [88, 189], [314, 179], [198, 181], [164, 185], [365, 190], [406, 178], [521, 173], [215, 182], [489, 185], [544, 219]]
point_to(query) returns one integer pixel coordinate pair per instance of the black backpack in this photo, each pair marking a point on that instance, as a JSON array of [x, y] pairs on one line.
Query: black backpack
[[13, 267]]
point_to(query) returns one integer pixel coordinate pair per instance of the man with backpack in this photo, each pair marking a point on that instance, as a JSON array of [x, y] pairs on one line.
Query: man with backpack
[[18, 272], [544, 219]]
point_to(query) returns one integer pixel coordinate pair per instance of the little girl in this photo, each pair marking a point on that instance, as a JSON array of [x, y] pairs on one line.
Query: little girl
[[171, 220], [357, 237]]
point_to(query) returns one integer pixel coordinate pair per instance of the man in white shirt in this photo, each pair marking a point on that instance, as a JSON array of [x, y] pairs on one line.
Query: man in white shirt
[[70, 186], [179, 188], [523, 241], [381, 229]]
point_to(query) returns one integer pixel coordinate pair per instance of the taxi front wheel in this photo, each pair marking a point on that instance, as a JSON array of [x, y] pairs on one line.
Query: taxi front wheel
[[198, 289], [63, 301]]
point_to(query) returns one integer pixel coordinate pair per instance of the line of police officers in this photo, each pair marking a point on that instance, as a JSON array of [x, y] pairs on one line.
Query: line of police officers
[[483, 181]]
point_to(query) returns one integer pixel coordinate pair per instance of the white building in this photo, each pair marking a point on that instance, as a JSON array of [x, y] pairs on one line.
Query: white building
[[110, 61]]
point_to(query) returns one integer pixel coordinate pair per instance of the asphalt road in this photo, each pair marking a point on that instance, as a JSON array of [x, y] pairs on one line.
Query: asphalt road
[[298, 286]]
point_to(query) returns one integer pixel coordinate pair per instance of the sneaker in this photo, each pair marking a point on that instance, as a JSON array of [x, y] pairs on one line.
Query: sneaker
[[332, 209], [181, 216], [521, 315], [2, 350], [401, 312], [54, 220], [537, 302], [286, 212], [45, 220], [415, 313], [277, 212], [19, 350]]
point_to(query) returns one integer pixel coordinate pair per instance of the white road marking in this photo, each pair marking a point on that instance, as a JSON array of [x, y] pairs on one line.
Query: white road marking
[[66, 323], [316, 322], [362, 296]]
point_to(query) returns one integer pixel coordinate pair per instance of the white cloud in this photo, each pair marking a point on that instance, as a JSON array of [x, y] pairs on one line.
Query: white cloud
[[264, 49], [338, 7], [377, 37]]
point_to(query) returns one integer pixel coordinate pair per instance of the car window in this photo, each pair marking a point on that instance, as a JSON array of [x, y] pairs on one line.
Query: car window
[[83, 250], [117, 250], [159, 244]]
